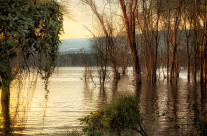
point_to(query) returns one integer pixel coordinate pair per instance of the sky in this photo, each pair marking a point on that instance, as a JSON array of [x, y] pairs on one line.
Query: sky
[[79, 17], [75, 27], [75, 21]]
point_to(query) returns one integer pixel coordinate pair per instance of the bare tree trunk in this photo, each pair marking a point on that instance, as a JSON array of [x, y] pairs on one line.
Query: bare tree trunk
[[111, 45], [167, 44], [201, 39], [124, 54], [195, 62], [108, 30], [158, 8], [6, 117], [172, 72], [187, 35], [201, 66], [188, 59], [122, 57], [137, 66], [5, 95], [155, 57], [168, 60], [5, 101], [205, 44], [146, 61], [130, 28], [85, 60], [115, 71], [177, 67], [174, 68], [204, 68]]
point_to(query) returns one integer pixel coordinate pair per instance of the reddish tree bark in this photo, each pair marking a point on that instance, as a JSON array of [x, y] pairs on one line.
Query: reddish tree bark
[[130, 30]]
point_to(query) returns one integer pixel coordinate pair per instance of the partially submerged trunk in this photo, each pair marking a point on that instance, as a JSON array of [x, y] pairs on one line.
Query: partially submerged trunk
[[6, 117], [195, 60], [5, 95], [168, 61], [130, 30], [5, 101], [137, 71], [188, 59], [116, 74]]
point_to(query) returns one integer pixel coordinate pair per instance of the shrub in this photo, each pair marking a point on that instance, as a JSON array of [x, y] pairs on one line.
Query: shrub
[[122, 116]]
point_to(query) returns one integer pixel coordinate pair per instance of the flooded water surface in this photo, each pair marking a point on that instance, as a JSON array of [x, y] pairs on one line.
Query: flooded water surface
[[166, 109]]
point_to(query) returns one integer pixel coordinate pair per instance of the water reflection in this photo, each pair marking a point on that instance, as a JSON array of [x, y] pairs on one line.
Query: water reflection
[[45, 107], [149, 107], [88, 93], [14, 113], [203, 99], [166, 109]]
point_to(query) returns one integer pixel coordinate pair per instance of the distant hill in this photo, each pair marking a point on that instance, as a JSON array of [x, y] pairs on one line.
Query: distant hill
[[73, 46]]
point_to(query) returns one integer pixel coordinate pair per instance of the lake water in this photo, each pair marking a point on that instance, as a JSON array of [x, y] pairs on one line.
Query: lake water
[[166, 109]]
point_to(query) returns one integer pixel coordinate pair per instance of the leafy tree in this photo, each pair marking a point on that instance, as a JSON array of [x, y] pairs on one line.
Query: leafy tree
[[29, 32]]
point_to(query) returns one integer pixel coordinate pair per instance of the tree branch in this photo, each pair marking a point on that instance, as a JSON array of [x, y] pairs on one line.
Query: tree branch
[[18, 63]]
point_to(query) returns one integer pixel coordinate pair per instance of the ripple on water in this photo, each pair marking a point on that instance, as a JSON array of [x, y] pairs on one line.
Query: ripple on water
[[163, 106]]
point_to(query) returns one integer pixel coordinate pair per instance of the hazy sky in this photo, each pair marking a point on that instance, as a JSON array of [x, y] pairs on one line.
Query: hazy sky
[[74, 28], [80, 16], [74, 23]]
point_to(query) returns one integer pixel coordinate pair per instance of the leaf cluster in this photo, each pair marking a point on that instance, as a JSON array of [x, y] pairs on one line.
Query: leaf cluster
[[29, 29]]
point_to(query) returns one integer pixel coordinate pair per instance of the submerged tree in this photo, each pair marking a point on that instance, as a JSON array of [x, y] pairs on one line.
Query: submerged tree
[[148, 20], [29, 37], [201, 35], [100, 51], [129, 19], [106, 23]]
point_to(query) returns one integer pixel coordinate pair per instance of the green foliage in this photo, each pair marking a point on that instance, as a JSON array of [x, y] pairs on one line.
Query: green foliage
[[121, 116], [29, 29], [200, 123]]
